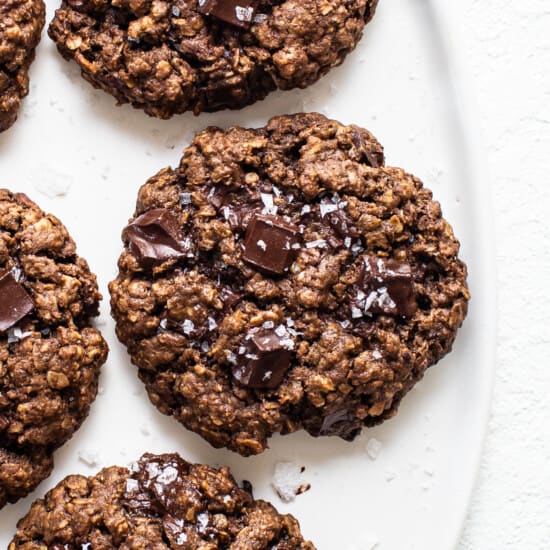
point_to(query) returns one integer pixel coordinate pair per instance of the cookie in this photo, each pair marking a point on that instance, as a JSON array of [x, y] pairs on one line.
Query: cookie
[[50, 356], [21, 23], [284, 278], [161, 502], [168, 57]]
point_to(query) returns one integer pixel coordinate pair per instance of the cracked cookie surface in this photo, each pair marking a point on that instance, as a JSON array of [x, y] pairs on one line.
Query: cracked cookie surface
[[21, 23], [162, 502], [168, 57], [284, 278], [50, 356]]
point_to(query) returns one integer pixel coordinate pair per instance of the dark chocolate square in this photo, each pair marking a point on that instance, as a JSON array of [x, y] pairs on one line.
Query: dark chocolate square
[[15, 302], [239, 13], [271, 244], [263, 361]]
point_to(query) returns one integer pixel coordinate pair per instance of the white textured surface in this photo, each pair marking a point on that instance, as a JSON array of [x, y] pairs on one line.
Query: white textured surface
[[508, 49]]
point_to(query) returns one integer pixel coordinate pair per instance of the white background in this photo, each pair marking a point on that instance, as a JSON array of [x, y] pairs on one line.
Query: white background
[[507, 45], [107, 152]]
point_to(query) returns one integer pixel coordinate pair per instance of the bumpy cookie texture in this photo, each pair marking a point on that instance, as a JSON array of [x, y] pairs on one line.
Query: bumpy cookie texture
[[21, 23], [50, 357], [172, 56], [309, 286], [161, 503]]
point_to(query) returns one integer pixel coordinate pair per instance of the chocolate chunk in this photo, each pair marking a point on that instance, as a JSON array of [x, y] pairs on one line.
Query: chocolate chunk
[[342, 424], [175, 530], [228, 202], [229, 297], [271, 244], [247, 486], [375, 159], [263, 359], [156, 485], [386, 286], [239, 217], [235, 12], [342, 224], [4, 423], [15, 302], [219, 196], [155, 237]]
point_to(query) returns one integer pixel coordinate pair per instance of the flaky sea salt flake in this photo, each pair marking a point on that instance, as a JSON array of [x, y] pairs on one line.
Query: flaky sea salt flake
[[90, 458], [373, 448], [288, 481]]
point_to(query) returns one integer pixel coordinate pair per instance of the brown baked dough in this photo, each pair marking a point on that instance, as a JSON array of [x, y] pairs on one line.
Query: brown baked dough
[[160, 503], [284, 278], [165, 57], [50, 356], [21, 23]]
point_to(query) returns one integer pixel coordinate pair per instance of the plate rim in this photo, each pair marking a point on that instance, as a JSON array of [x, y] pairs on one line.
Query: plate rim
[[458, 75]]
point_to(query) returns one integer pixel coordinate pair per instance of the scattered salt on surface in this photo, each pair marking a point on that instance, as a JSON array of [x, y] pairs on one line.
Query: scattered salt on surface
[[327, 209], [145, 430], [186, 198], [131, 485], [390, 474], [288, 481], [53, 183], [319, 243], [269, 207], [373, 448], [168, 475], [90, 458]]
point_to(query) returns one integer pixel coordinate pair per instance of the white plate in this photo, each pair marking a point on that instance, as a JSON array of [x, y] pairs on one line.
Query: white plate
[[83, 159]]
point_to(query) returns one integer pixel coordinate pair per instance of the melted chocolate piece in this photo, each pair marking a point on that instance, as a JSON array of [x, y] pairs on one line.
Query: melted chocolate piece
[[263, 359], [271, 244], [235, 12], [386, 286], [229, 297], [239, 216], [248, 487], [154, 237], [15, 302], [342, 424], [338, 219], [219, 196], [4, 423], [374, 159], [174, 529], [156, 485], [228, 202]]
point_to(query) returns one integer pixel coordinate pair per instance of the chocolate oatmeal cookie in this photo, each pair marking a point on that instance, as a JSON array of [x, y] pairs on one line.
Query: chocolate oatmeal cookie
[[161, 503], [284, 278], [50, 356], [172, 56], [21, 23]]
